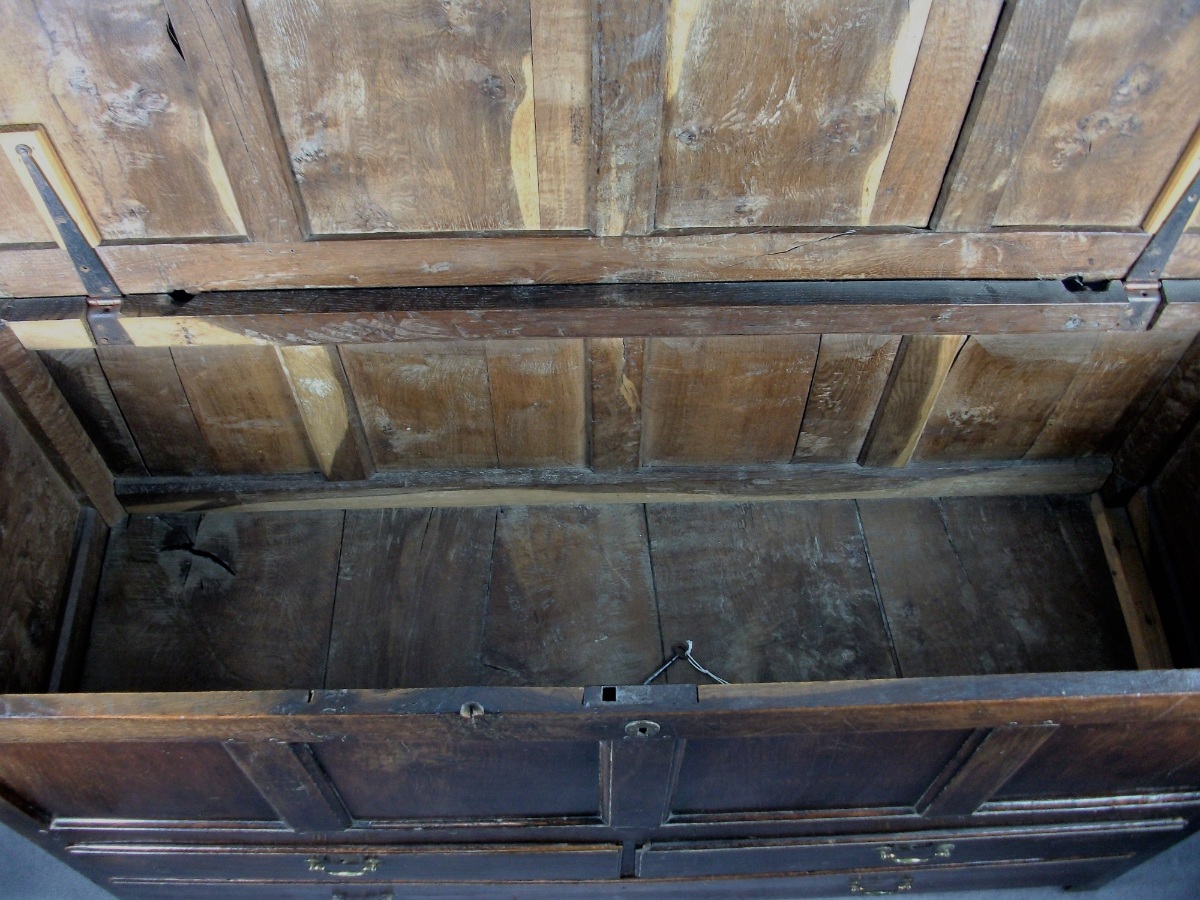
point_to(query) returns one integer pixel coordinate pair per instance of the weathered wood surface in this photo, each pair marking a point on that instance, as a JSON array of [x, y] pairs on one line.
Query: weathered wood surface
[[616, 367], [326, 404], [599, 594], [38, 518], [212, 602], [673, 484]]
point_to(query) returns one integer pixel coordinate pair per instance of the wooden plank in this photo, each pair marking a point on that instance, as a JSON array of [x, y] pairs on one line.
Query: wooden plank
[[953, 47], [85, 388], [572, 598], [568, 259], [687, 484], [180, 594], [290, 779], [38, 273], [920, 369], [91, 539], [1172, 192], [954, 610], [746, 582], [627, 113], [115, 96], [244, 409], [994, 762], [999, 395], [1184, 261], [37, 401], [537, 397], [217, 42], [725, 399], [563, 34], [411, 594], [460, 79], [847, 384], [326, 405], [1030, 40], [1109, 391], [37, 532], [424, 404], [47, 159], [615, 366], [1129, 576], [739, 146], [20, 221], [1114, 119], [147, 388]]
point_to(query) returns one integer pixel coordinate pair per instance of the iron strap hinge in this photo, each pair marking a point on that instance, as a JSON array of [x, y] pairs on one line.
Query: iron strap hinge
[[103, 295], [1153, 260]]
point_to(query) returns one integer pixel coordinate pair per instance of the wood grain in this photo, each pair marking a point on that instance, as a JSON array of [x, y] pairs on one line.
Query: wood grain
[[999, 395], [147, 388], [326, 405], [725, 399], [1180, 179], [84, 386], [441, 138], [244, 409], [411, 593], [916, 378], [1109, 391], [572, 598], [627, 104], [847, 384], [37, 531], [424, 404], [997, 759], [20, 221], [953, 47], [1132, 584], [563, 33], [1030, 40], [179, 596], [1113, 121], [115, 97], [537, 397], [217, 41], [793, 129], [616, 366], [746, 582]]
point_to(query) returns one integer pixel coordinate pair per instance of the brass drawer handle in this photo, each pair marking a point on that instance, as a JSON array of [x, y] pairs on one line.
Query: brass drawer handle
[[941, 851], [856, 887], [343, 866]]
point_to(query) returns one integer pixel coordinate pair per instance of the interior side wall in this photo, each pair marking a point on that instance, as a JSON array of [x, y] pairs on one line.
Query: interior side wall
[[1175, 497], [38, 521]]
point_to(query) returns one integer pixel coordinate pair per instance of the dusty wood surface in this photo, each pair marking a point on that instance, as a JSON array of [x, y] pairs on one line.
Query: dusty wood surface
[[616, 367]]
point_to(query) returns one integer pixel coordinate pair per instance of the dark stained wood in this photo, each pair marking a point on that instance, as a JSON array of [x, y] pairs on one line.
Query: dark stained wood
[[492, 487], [411, 593], [999, 395], [290, 779], [615, 366], [1175, 494], [537, 393], [245, 409], [921, 366], [83, 385], [440, 138], [572, 598], [91, 540], [37, 402], [147, 388], [627, 113], [38, 518], [637, 781], [985, 771], [1030, 40], [559, 259], [725, 399], [956, 39], [794, 130], [424, 404], [1109, 392], [747, 582], [217, 42], [847, 385], [181, 595]]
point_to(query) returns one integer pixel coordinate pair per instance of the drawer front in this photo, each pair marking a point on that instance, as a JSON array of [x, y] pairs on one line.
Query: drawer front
[[1076, 872], [902, 851], [355, 865]]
